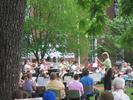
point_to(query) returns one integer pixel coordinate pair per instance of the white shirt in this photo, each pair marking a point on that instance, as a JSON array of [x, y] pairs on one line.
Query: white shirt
[[27, 67], [55, 65], [74, 67], [43, 67], [120, 95]]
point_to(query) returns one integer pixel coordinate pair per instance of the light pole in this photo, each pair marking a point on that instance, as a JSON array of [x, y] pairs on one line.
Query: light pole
[[57, 46], [78, 51], [93, 49]]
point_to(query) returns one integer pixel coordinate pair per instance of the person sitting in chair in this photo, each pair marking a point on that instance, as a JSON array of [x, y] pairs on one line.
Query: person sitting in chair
[[118, 93], [86, 80], [76, 85], [29, 85], [56, 84]]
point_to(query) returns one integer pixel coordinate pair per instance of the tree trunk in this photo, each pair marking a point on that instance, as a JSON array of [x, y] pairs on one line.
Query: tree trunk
[[37, 56], [11, 23]]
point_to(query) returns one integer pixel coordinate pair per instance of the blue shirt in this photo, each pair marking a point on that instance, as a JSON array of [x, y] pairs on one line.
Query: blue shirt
[[87, 81], [49, 95]]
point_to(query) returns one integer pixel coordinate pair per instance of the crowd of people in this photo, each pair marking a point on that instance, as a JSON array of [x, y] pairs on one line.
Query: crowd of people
[[113, 80]]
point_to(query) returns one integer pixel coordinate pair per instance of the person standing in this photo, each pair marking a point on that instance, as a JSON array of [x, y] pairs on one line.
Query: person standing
[[108, 71]]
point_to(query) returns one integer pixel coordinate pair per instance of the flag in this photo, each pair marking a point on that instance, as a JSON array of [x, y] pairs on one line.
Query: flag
[[101, 65]]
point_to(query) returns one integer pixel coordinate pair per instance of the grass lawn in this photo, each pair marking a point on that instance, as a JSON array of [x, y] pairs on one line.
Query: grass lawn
[[128, 91]]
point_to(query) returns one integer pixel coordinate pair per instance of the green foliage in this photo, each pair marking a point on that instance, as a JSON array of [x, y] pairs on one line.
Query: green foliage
[[126, 8], [50, 22], [96, 14], [118, 31], [73, 45], [117, 27], [58, 22], [121, 27], [126, 11], [127, 39], [109, 44]]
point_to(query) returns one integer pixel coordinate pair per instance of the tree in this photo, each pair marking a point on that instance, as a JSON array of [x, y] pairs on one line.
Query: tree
[[95, 21], [49, 23], [120, 30], [126, 11], [37, 37], [96, 15], [11, 19], [121, 37]]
